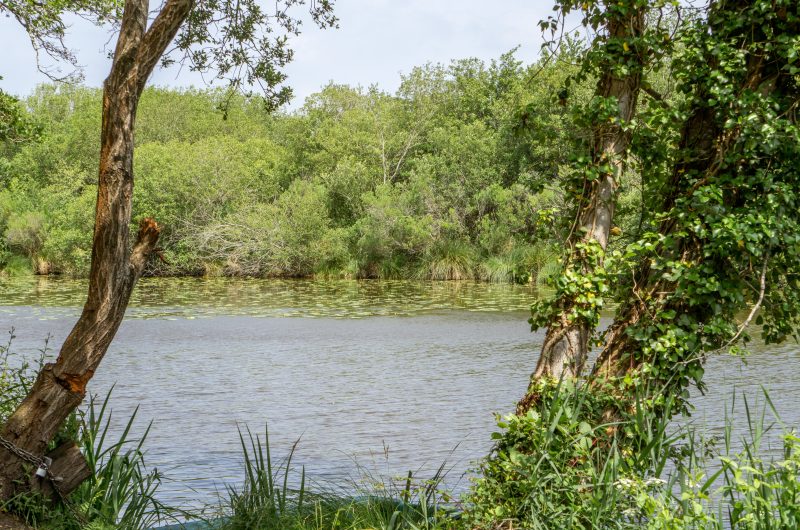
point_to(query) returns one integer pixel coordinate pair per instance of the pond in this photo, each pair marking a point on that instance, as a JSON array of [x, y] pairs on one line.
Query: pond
[[373, 377]]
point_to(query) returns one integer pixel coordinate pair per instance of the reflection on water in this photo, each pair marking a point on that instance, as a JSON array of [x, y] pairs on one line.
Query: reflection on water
[[193, 297], [424, 386]]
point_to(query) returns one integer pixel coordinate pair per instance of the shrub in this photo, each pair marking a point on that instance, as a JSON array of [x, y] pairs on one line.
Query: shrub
[[561, 465]]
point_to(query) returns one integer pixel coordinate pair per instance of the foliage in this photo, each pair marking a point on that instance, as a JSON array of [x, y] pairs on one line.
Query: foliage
[[16, 125], [716, 160], [562, 465], [718, 239], [712, 252], [558, 464], [45, 26], [357, 183], [237, 41], [619, 55]]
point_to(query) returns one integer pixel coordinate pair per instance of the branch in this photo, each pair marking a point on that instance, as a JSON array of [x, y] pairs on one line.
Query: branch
[[161, 32], [145, 245], [652, 93], [756, 307]]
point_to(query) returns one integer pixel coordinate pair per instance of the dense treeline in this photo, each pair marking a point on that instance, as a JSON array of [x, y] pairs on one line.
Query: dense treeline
[[452, 177]]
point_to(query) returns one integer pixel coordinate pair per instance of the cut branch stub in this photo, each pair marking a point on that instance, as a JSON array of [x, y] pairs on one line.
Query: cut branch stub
[[69, 469], [145, 245]]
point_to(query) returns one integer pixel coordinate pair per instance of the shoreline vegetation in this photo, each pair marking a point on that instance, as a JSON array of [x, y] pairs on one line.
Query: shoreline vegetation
[[469, 171], [436, 181]]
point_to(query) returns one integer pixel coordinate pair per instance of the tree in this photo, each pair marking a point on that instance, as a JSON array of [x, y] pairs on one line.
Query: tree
[[618, 57], [15, 123], [720, 239], [719, 219], [715, 259], [235, 40]]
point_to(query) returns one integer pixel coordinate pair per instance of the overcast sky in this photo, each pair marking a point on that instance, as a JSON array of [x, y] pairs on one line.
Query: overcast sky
[[377, 41]]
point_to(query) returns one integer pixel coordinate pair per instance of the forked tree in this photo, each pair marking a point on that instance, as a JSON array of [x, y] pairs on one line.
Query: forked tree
[[238, 41], [716, 250]]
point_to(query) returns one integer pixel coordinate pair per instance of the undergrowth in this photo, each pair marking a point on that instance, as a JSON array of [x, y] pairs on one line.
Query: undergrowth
[[557, 466]]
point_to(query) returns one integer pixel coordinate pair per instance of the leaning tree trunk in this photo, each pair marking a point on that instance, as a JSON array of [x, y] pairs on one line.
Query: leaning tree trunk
[[704, 145], [116, 265], [565, 347], [700, 142]]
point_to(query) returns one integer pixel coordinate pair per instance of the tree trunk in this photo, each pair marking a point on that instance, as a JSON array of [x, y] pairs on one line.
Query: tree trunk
[[704, 146], [699, 142], [116, 266], [565, 347]]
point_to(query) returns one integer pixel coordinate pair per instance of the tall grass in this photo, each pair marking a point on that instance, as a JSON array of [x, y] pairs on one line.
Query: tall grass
[[552, 467], [277, 496], [448, 260], [122, 491], [522, 264], [742, 487]]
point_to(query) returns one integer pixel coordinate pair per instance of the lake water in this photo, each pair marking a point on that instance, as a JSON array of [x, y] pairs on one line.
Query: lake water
[[376, 377]]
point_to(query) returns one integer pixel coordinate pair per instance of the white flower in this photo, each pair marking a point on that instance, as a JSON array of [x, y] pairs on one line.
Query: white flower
[[625, 483]]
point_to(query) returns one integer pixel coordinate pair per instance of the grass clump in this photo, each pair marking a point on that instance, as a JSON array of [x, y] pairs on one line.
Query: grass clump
[[277, 496], [448, 260], [122, 491], [14, 265], [522, 264]]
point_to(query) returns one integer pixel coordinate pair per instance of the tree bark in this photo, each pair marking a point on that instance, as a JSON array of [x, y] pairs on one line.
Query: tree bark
[[69, 468], [704, 146], [565, 347], [116, 265]]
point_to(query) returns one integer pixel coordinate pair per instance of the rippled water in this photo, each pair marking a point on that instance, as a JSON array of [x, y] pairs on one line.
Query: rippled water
[[412, 370]]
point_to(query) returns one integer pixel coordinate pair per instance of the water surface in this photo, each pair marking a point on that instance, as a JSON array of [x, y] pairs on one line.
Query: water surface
[[392, 376]]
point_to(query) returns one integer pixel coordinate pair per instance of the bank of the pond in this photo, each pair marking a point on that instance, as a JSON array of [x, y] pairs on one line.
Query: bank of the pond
[[523, 264]]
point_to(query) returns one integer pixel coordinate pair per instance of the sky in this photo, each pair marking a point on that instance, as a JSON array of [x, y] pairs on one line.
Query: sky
[[376, 41]]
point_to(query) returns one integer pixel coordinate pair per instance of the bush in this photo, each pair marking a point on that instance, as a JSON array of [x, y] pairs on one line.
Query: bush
[[25, 233], [561, 466], [553, 467]]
